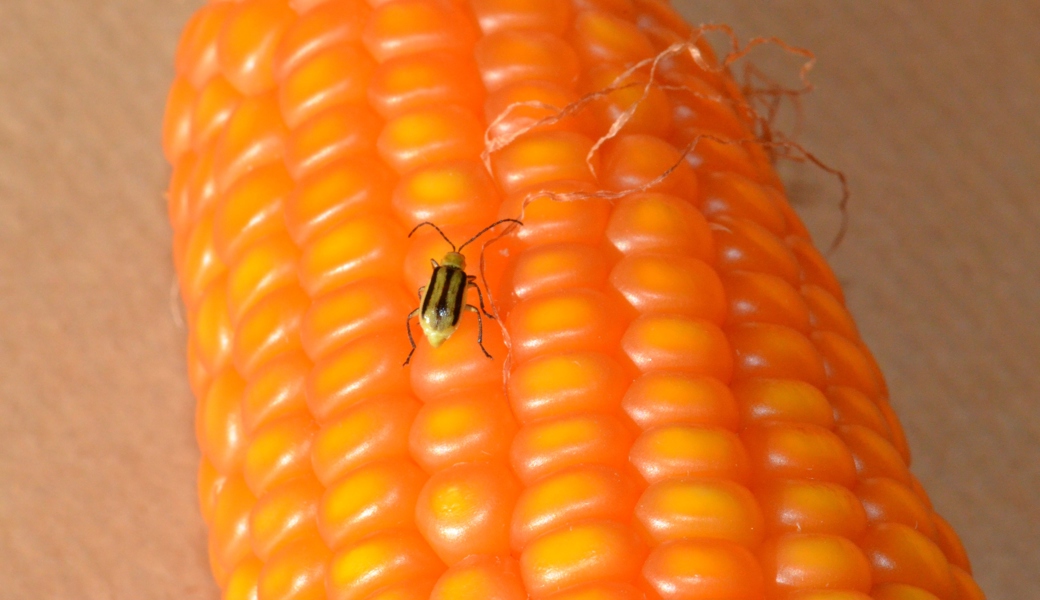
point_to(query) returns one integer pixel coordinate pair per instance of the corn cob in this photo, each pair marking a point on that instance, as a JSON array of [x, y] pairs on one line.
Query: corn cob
[[679, 405]]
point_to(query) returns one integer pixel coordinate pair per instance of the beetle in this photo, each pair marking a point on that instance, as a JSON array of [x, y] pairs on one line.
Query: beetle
[[444, 298]]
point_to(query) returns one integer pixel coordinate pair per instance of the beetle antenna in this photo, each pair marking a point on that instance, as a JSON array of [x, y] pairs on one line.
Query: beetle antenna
[[438, 231], [486, 229]]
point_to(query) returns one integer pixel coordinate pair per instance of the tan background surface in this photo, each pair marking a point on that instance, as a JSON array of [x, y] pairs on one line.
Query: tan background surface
[[930, 107]]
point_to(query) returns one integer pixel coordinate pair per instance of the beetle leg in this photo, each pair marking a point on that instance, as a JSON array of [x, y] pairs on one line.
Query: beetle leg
[[480, 297], [408, 326], [422, 291], [480, 329], [433, 262]]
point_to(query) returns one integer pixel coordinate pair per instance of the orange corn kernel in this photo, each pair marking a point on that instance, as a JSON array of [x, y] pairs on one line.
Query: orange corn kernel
[[566, 384], [460, 364], [538, 158], [827, 313], [196, 57], [344, 131], [888, 501], [846, 363], [646, 112], [677, 509], [248, 41], [375, 497], [967, 589], [414, 81], [743, 244], [219, 426], [229, 541], [350, 313], [874, 455], [286, 514], [765, 298], [551, 221], [662, 398], [814, 268], [570, 556], [279, 451], [318, 27], [667, 342], [532, 105], [465, 510], [549, 446], [427, 136], [354, 250], [243, 581], [704, 570], [200, 266], [730, 195], [359, 570], [775, 351], [569, 321], [853, 407], [469, 426], [481, 576], [797, 561], [682, 451], [509, 57], [575, 494], [669, 284], [262, 269], [448, 194], [951, 546], [554, 267], [214, 105], [804, 506], [366, 432], [269, 329], [254, 136], [297, 571], [799, 451], [899, 554], [601, 37], [250, 210], [413, 26], [342, 190], [543, 15], [661, 224], [329, 77], [197, 195], [782, 400]]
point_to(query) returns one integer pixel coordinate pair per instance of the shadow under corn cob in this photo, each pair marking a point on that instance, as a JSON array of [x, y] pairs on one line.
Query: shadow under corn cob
[[679, 405]]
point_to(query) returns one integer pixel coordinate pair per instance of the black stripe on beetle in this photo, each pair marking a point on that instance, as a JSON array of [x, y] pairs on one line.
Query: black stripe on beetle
[[444, 298]]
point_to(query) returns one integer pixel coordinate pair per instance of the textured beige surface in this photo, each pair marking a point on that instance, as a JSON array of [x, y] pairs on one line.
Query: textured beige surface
[[931, 108]]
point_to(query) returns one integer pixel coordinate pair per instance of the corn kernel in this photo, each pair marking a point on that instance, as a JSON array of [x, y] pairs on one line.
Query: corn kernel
[[465, 510], [549, 446], [377, 496]]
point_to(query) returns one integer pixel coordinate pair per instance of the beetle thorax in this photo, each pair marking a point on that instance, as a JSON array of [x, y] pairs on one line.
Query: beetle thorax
[[454, 259]]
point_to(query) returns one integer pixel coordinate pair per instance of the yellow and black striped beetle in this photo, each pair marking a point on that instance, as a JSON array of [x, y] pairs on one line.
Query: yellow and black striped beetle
[[444, 298]]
